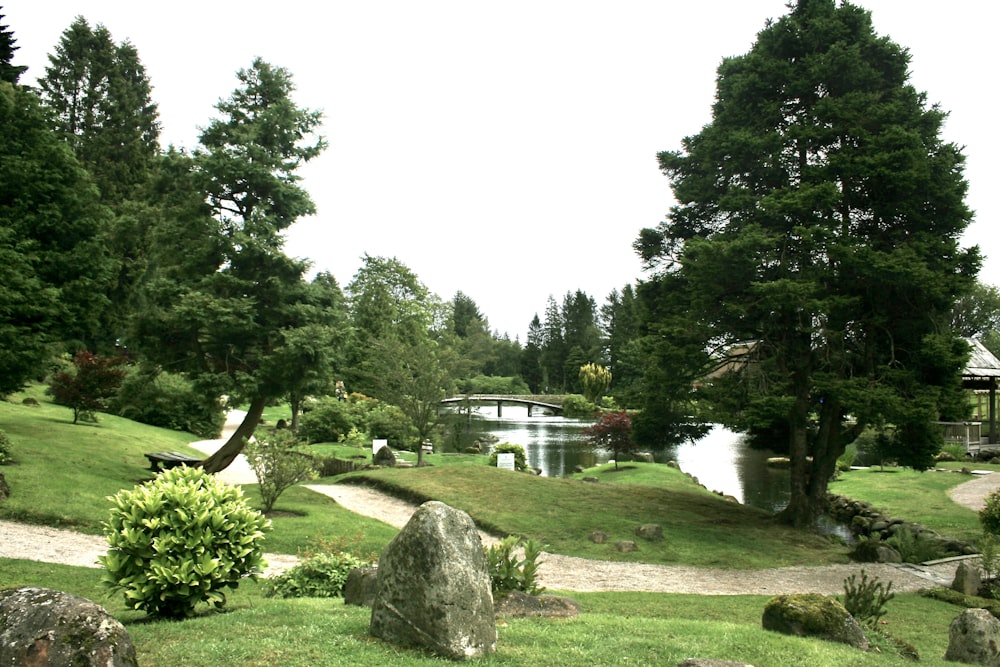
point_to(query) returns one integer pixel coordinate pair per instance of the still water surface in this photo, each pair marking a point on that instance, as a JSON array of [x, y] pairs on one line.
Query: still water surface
[[720, 460]]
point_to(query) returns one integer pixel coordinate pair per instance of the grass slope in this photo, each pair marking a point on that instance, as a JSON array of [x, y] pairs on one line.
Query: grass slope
[[700, 527], [63, 473]]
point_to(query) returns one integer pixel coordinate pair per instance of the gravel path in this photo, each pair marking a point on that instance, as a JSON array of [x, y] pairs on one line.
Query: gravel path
[[557, 572]]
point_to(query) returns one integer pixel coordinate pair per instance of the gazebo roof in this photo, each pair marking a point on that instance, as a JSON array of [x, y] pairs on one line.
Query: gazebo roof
[[983, 365]]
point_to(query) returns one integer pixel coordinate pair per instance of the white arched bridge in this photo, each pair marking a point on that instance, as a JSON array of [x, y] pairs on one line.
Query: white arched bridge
[[550, 403]]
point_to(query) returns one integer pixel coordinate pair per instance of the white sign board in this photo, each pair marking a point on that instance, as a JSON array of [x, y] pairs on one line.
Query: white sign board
[[505, 461], [378, 444]]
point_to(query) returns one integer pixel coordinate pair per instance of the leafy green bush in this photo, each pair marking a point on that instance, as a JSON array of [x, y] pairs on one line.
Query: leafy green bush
[[989, 516], [846, 460], [575, 405], [322, 575], [327, 420], [390, 423], [181, 539], [520, 461], [510, 573], [5, 456], [167, 400], [277, 465], [494, 384], [865, 600]]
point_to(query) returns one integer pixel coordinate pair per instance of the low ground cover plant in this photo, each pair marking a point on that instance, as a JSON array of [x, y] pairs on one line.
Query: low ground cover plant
[[321, 575], [513, 565], [180, 540]]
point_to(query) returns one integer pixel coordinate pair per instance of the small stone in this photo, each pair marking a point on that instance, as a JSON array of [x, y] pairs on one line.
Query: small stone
[[360, 587], [598, 537], [626, 546], [650, 531]]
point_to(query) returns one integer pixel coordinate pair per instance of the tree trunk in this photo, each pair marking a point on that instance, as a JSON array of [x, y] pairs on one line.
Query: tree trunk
[[221, 459]]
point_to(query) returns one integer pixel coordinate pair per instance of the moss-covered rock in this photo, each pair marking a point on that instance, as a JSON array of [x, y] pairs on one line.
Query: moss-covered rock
[[813, 615]]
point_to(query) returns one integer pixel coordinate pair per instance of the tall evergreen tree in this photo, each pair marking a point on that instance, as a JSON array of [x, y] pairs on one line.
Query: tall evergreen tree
[[815, 248], [227, 298], [531, 360], [102, 101], [8, 71], [553, 357], [53, 266]]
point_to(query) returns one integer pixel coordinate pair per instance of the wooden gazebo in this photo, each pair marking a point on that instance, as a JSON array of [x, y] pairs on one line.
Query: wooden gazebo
[[982, 372]]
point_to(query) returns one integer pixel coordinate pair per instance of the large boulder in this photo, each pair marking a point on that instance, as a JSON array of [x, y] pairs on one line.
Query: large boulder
[[434, 586], [46, 628], [813, 615], [974, 638]]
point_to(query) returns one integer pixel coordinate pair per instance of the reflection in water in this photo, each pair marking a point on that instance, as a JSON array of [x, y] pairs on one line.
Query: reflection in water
[[720, 460]]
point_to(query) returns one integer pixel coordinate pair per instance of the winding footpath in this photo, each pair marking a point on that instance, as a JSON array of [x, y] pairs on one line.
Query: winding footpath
[[557, 572]]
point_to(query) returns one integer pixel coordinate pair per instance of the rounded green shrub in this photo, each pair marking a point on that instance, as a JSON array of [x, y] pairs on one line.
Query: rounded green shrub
[[181, 539], [989, 516], [575, 405], [322, 575], [327, 420], [520, 461], [168, 400]]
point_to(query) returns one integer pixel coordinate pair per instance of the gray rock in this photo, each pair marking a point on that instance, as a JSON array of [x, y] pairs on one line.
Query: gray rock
[[384, 457], [974, 638], [360, 587], [967, 579], [643, 457], [598, 537], [626, 546], [517, 604], [46, 628], [650, 531], [434, 586], [813, 615]]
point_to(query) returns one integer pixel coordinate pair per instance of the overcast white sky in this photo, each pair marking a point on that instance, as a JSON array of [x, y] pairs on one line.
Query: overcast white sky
[[507, 150]]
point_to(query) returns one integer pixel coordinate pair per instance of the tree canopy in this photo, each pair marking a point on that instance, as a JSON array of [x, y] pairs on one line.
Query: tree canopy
[[227, 302], [812, 261]]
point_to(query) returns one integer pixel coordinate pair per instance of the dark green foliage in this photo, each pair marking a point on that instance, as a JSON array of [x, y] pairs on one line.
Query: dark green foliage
[[329, 420], [180, 540], [520, 461], [576, 406], [8, 71], [865, 600], [989, 516], [54, 270], [510, 571], [494, 384], [167, 400], [322, 575], [5, 449], [813, 255]]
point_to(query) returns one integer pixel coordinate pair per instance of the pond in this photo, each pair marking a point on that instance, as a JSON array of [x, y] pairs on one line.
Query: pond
[[721, 461]]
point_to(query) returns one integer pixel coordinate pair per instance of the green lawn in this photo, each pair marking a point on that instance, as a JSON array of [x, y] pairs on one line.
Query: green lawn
[[63, 474], [920, 497]]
